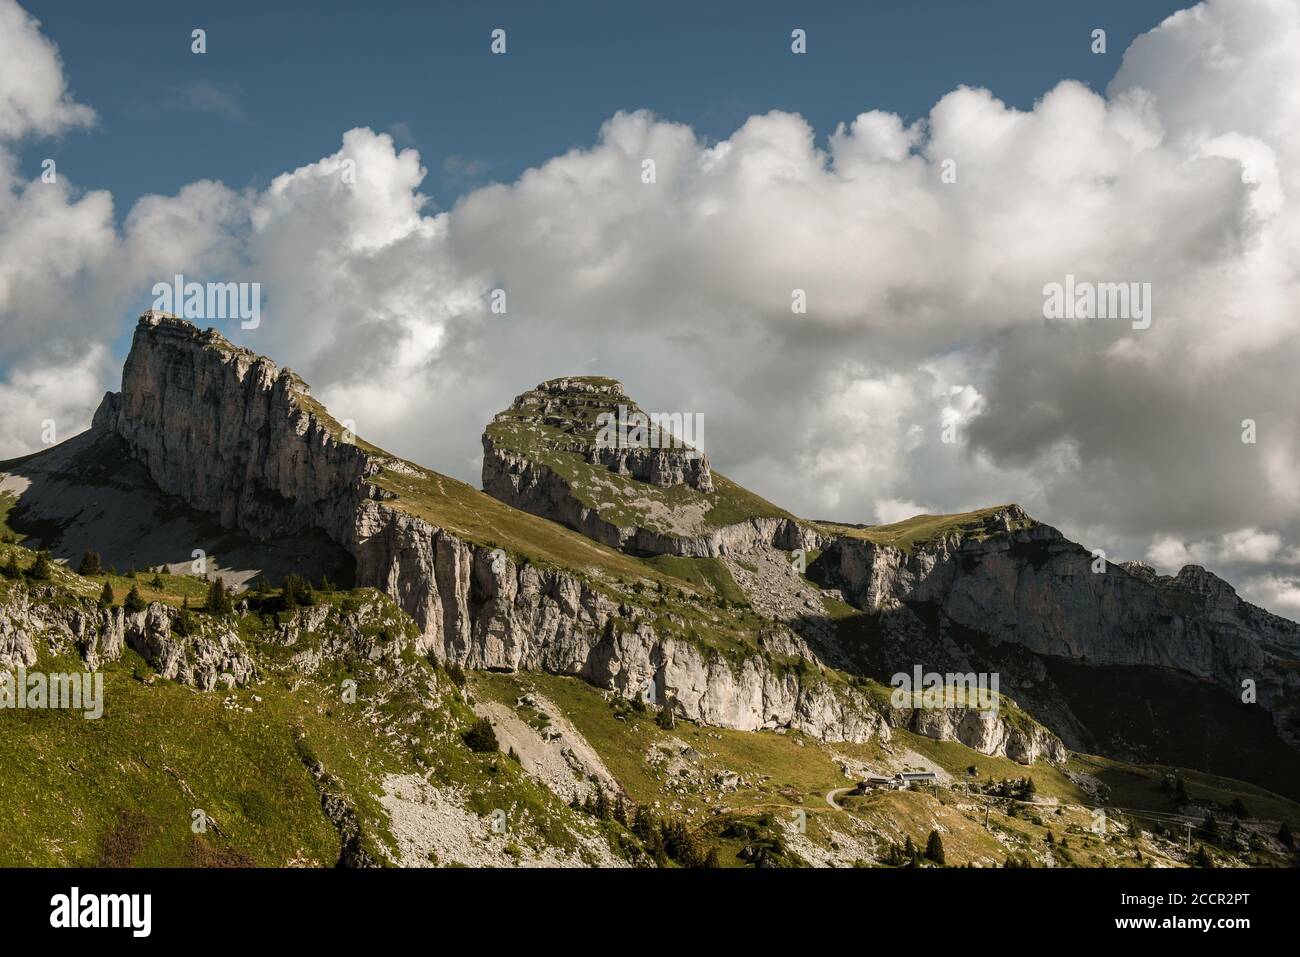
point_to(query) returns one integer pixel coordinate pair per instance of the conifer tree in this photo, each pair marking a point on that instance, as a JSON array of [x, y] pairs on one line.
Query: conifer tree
[[40, 570], [934, 848], [134, 602], [219, 602]]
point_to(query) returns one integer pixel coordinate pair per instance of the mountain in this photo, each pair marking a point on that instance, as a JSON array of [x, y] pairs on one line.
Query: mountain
[[991, 591], [556, 452], [243, 442], [633, 625]]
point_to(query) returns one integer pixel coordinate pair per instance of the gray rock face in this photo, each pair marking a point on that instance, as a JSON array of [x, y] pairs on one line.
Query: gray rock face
[[231, 434], [478, 610], [213, 658], [983, 731], [211, 655], [523, 483], [1033, 587], [32, 615]]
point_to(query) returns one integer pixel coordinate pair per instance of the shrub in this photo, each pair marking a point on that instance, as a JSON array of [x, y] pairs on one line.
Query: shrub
[[481, 738], [106, 596], [297, 591], [910, 852], [185, 620], [219, 602], [934, 848], [40, 570], [665, 718], [11, 568], [1210, 828]]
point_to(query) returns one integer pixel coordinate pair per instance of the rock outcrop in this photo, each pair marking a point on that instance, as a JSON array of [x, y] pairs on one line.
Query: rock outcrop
[[1032, 587], [46, 618], [232, 434], [597, 420], [572, 450], [31, 616]]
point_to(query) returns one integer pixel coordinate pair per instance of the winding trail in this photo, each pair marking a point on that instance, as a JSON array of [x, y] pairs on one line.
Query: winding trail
[[830, 797]]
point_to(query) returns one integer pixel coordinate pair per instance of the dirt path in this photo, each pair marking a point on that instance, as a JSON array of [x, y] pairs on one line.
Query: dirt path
[[830, 797]]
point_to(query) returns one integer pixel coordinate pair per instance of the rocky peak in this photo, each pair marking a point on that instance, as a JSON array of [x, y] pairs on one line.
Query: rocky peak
[[1200, 581], [1139, 569], [232, 433], [594, 418]]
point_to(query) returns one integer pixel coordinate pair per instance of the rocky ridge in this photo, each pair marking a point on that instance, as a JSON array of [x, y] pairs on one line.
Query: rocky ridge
[[230, 433], [1027, 584]]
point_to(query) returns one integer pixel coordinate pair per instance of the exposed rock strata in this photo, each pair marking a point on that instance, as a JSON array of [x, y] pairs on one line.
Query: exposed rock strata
[[1036, 589], [523, 483]]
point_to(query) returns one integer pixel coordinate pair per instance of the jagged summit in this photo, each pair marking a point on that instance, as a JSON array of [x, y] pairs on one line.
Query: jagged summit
[[161, 328], [594, 418], [580, 451], [577, 384]]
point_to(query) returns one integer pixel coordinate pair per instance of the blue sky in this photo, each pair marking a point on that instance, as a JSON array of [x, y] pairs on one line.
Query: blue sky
[[281, 81]]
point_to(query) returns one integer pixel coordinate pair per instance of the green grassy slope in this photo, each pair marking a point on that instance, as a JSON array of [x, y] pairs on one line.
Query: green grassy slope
[[784, 775], [122, 789], [921, 530]]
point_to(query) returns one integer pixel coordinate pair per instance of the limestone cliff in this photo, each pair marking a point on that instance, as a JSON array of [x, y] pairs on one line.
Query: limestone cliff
[[232, 434], [1026, 584]]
